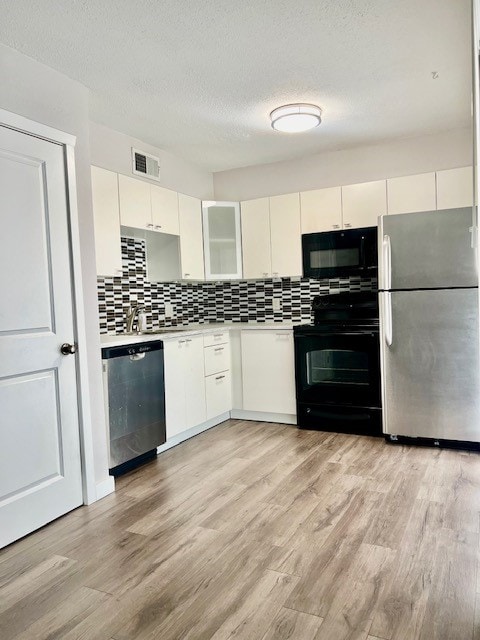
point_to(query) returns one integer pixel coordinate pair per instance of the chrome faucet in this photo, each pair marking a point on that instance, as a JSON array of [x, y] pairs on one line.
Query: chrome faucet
[[132, 315]]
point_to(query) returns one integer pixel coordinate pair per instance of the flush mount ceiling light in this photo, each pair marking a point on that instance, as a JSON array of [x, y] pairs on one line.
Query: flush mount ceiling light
[[294, 118]]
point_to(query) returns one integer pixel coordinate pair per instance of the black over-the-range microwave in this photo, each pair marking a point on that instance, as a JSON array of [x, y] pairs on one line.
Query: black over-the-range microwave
[[335, 254]]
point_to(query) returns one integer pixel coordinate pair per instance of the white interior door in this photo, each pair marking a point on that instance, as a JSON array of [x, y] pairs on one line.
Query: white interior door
[[40, 470]]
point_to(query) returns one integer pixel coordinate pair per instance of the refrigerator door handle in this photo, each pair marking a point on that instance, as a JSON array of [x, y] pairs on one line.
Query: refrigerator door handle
[[387, 262], [387, 318]]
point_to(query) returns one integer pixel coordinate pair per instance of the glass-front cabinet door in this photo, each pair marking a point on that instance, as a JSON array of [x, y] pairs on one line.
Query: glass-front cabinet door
[[222, 240]]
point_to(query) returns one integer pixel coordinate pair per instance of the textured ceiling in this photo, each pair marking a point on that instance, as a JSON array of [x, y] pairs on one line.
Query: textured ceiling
[[200, 78]]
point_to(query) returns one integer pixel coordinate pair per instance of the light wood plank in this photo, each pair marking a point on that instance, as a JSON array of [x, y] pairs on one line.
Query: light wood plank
[[293, 625], [255, 530]]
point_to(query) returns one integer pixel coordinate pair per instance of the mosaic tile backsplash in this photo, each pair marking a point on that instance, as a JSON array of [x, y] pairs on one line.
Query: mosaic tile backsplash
[[209, 302]]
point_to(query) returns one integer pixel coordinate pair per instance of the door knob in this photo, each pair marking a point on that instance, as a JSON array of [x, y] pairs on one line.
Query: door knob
[[66, 349]]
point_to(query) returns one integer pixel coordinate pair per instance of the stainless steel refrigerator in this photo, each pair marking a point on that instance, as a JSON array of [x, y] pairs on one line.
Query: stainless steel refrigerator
[[428, 282]]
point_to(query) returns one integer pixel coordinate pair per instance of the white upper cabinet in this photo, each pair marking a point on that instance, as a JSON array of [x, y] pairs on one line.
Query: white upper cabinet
[[222, 240], [411, 193], [257, 258], [164, 210], [363, 203], [286, 235], [147, 206], [135, 203], [321, 210], [455, 188], [107, 222], [191, 237]]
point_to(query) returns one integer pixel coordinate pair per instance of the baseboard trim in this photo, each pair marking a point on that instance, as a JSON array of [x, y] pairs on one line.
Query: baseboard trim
[[105, 488], [261, 416], [194, 431]]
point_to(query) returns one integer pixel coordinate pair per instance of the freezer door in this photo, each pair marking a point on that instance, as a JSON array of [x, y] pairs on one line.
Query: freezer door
[[431, 249], [430, 364]]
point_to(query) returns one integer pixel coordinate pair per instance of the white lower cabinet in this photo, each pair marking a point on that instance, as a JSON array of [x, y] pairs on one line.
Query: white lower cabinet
[[217, 358], [218, 382], [185, 403], [268, 371], [219, 394]]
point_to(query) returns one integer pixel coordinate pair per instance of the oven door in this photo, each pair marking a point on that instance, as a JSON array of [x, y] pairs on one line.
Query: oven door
[[341, 368], [335, 254]]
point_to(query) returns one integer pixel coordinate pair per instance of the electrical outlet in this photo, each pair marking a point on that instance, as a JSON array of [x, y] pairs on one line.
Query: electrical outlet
[[277, 304], [169, 310]]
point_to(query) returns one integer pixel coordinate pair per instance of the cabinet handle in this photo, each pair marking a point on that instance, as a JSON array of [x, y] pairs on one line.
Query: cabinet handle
[[218, 335], [347, 225], [188, 340], [336, 226], [265, 273], [181, 341], [186, 275], [149, 225], [275, 273], [219, 349], [158, 226], [282, 334], [219, 378]]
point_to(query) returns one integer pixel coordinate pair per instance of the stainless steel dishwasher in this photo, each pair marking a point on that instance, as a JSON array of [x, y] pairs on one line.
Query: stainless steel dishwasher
[[133, 377]]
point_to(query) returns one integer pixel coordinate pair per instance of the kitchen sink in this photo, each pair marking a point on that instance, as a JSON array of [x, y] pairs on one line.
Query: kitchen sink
[[149, 332], [163, 330]]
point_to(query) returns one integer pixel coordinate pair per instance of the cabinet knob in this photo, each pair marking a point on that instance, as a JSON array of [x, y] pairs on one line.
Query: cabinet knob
[[336, 226], [347, 225], [149, 225]]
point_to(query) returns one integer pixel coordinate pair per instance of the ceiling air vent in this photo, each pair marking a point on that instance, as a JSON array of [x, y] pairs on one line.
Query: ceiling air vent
[[146, 165]]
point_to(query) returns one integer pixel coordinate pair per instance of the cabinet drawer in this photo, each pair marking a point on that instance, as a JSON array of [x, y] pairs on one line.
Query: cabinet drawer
[[217, 359], [220, 337], [219, 394]]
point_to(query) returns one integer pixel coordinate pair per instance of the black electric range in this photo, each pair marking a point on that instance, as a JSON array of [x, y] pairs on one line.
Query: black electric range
[[337, 365]]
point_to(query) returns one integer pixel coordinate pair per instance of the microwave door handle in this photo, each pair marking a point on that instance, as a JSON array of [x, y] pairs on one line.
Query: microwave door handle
[[363, 257]]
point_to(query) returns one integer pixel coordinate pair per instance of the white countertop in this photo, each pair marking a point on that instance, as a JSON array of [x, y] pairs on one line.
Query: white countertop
[[110, 340]]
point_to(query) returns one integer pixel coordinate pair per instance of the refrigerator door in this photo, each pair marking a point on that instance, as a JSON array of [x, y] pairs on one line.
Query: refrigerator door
[[427, 250], [430, 364]]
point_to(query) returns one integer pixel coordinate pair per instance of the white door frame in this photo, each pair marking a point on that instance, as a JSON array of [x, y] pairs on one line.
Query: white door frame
[[68, 141]]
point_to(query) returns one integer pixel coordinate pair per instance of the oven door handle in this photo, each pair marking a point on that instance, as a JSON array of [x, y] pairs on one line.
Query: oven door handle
[[336, 333]]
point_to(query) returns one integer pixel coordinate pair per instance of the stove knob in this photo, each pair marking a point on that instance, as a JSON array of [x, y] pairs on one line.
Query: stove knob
[[308, 410]]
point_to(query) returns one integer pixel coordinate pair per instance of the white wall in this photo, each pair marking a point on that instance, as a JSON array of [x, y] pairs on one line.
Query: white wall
[[39, 93], [113, 150], [401, 157]]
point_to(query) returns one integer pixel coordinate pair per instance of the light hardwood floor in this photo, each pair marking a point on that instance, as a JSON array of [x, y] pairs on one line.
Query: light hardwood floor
[[260, 531]]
